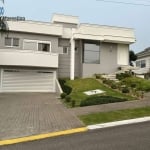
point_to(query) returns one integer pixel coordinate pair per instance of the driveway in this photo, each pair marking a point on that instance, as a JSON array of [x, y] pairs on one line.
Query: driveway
[[25, 114]]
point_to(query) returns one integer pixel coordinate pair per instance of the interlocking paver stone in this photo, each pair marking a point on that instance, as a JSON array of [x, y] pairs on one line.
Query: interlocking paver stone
[[25, 114]]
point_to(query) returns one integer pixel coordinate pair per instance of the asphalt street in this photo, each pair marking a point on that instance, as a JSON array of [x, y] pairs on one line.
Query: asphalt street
[[127, 137]]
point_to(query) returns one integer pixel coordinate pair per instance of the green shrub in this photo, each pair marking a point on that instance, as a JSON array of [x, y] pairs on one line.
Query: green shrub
[[141, 84], [66, 89], [73, 103], [114, 86], [63, 95], [133, 85], [108, 82], [96, 100], [125, 90], [123, 75], [104, 81], [68, 99], [97, 76]]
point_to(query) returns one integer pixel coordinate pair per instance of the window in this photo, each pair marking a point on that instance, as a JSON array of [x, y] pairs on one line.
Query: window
[[65, 50], [141, 63], [12, 42], [138, 63], [43, 47], [91, 52]]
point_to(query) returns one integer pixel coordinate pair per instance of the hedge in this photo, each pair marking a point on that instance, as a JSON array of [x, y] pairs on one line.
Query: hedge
[[66, 89], [96, 100]]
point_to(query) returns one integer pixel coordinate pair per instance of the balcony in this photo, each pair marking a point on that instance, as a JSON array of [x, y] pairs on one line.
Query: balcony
[[28, 58]]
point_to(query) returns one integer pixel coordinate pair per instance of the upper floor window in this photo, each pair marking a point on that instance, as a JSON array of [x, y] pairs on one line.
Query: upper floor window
[[44, 46], [91, 52], [11, 42]]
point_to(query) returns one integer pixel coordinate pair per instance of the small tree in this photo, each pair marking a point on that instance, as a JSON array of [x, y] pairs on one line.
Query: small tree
[[132, 57]]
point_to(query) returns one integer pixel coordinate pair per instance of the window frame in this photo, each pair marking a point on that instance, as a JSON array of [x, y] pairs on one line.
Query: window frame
[[67, 48], [139, 62], [12, 42], [83, 50], [37, 44]]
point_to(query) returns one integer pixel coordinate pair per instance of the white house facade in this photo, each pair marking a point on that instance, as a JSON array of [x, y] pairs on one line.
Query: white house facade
[[143, 62], [33, 55]]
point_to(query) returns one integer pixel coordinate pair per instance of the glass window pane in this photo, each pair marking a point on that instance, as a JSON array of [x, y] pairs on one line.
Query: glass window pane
[[65, 50], [8, 41], [15, 42], [44, 47], [91, 53], [143, 64]]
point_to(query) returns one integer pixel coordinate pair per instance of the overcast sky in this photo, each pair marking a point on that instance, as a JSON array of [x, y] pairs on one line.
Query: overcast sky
[[89, 11]]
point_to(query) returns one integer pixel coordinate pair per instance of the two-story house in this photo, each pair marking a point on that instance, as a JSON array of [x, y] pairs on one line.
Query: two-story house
[[33, 55]]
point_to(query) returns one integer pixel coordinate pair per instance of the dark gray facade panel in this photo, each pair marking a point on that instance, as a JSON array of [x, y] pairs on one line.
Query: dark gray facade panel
[[63, 42], [64, 65]]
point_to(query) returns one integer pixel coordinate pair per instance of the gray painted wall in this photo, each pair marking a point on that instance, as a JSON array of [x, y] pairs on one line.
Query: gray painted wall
[[108, 61]]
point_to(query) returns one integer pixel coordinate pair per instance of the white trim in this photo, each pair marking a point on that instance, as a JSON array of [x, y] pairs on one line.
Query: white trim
[[118, 123], [37, 42], [72, 59], [1, 79], [59, 87], [54, 79]]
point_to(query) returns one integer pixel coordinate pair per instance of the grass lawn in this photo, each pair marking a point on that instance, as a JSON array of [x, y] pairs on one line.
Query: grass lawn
[[141, 84], [115, 115], [81, 85]]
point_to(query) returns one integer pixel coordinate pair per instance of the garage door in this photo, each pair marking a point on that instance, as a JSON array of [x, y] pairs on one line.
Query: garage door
[[28, 81]]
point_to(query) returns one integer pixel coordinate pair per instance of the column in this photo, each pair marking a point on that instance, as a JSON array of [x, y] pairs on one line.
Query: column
[[72, 59]]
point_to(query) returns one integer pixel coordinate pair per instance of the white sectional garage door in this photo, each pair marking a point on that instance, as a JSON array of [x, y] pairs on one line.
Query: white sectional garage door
[[27, 81]]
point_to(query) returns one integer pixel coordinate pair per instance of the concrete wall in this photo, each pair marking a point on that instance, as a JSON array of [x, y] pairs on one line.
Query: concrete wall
[[105, 33], [27, 58], [35, 27]]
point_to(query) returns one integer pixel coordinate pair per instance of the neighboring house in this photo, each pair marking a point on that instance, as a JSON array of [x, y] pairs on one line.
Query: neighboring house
[[34, 54], [143, 62]]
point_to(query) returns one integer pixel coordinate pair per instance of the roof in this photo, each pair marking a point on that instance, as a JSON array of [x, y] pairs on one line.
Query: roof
[[144, 53]]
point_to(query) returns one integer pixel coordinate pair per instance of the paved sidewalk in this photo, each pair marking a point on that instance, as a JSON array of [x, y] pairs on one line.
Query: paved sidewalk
[[26, 114], [111, 107]]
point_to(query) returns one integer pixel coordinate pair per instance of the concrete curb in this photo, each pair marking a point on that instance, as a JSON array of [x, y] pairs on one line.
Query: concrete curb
[[42, 136], [118, 123], [72, 131]]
